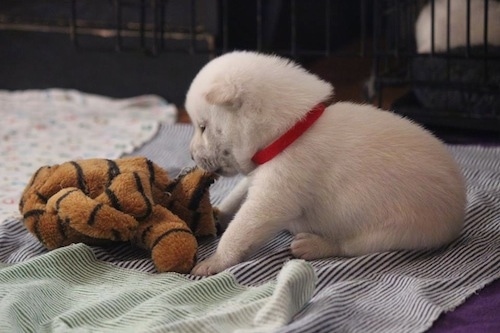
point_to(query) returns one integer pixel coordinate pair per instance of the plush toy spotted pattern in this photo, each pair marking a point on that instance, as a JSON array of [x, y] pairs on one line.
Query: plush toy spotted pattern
[[99, 201]]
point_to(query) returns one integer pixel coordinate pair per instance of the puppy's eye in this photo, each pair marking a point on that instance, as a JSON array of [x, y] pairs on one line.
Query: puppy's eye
[[202, 128]]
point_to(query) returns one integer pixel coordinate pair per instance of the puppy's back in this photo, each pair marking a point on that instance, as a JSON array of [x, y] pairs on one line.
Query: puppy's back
[[390, 168]]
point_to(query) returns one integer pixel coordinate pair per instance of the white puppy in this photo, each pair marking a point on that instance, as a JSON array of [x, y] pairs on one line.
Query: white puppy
[[358, 180]]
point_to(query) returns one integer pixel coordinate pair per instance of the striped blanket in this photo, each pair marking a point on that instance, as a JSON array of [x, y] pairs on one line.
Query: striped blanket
[[69, 290], [400, 291]]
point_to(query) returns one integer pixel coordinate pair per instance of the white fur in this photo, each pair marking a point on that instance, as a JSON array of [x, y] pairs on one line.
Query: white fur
[[360, 180], [458, 24]]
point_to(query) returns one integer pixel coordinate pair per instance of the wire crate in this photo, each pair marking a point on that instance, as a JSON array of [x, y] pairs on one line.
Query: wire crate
[[119, 25], [289, 27], [448, 54]]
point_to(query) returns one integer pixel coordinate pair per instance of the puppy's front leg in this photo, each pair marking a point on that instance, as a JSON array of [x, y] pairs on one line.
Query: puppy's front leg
[[233, 201], [254, 225]]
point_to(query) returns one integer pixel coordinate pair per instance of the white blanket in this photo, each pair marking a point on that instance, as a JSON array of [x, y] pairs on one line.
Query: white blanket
[[43, 127]]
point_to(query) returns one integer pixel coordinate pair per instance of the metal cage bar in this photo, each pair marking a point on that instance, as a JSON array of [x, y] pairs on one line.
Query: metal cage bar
[[454, 86]]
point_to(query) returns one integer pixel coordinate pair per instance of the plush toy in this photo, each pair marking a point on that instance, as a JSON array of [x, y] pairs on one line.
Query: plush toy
[[99, 201]]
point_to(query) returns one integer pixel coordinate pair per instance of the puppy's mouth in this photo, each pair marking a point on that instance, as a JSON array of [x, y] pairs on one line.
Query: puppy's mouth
[[219, 170], [206, 164], [225, 172], [215, 167]]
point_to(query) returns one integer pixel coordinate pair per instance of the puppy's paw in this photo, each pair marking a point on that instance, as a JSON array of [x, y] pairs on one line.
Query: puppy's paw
[[210, 266], [310, 246]]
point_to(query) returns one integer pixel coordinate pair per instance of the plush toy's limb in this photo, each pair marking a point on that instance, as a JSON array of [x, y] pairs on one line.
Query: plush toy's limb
[[54, 232], [31, 198], [91, 176], [173, 247], [201, 221], [90, 217], [191, 201], [157, 176], [207, 219], [129, 193], [46, 228]]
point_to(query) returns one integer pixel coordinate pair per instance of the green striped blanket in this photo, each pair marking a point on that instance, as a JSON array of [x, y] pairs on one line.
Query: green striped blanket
[[70, 290]]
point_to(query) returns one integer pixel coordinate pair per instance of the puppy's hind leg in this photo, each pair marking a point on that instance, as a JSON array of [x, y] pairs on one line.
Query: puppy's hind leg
[[381, 240], [311, 246]]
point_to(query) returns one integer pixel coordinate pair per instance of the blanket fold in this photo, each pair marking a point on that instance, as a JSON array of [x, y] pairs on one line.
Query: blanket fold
[[69, 290]]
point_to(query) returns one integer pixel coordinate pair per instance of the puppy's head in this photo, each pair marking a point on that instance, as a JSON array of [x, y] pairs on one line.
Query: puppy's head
[[241, 101]]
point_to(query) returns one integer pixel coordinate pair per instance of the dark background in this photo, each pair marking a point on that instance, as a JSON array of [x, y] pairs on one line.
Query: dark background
[[35, 59]]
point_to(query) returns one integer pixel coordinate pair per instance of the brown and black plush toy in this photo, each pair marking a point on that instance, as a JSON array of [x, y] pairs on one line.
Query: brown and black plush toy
[[99, 201]]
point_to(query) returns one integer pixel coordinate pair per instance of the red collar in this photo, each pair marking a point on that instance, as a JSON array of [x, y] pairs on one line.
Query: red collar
[[280, 144]]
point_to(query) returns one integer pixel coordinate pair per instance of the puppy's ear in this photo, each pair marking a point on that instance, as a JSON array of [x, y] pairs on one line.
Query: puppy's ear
[[224, 93]]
